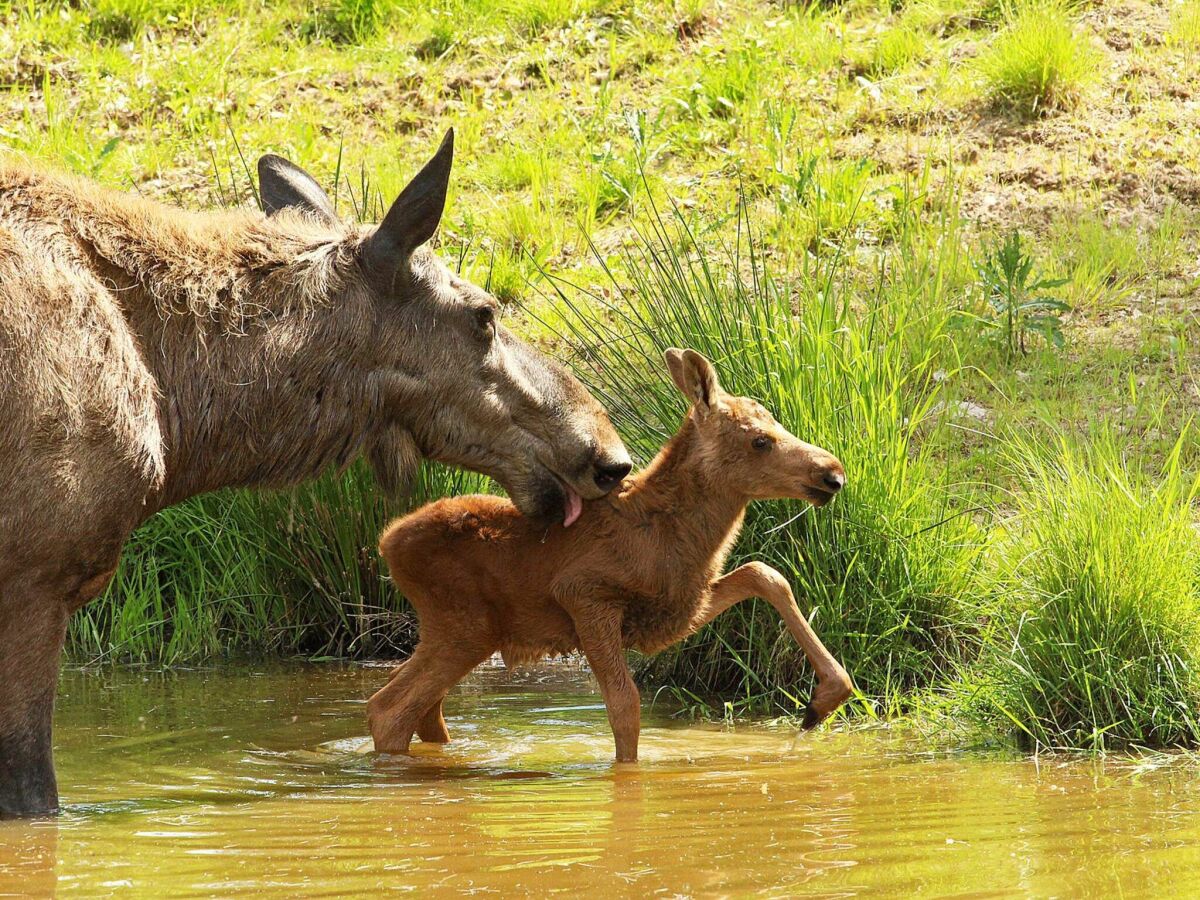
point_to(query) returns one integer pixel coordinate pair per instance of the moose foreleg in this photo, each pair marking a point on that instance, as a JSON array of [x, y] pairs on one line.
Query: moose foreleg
[[757, 579], [32, 629]]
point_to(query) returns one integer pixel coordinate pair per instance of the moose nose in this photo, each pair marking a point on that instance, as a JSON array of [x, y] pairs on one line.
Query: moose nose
[[835, 481], [609, 475]]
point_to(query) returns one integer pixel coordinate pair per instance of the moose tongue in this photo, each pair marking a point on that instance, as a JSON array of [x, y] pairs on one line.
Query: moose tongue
[[573, 506]]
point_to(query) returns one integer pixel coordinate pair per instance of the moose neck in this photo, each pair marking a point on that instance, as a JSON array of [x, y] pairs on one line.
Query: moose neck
[[258, 345], [683, 495]]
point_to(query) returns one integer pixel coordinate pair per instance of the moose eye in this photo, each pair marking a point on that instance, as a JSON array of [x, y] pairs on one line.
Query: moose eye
[[762, 442], [485, 318]]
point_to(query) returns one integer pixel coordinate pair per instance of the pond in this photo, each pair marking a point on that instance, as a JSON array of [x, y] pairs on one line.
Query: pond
[[259, 780]]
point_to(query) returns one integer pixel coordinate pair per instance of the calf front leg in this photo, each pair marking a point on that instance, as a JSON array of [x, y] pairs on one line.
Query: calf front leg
[[600, 638], [757, 579]]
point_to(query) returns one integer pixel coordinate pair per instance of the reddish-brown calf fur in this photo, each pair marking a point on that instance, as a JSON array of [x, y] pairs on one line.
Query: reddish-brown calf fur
[[641, 568]]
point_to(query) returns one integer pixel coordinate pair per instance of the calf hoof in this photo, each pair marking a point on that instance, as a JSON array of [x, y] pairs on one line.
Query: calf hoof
[[812, 718], [826, 699], [390, 740]]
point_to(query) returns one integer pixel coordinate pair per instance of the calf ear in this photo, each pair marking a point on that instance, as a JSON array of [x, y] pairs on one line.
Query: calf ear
[[414, 217], [694, 376], [284, 185]]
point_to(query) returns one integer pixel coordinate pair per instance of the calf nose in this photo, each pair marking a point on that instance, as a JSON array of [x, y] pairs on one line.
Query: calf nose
[[835, 481], [609, 475]]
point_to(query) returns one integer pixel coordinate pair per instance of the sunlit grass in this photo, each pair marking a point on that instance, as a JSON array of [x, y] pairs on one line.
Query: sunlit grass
[[1184, 29], [896, 48], [886, 573], [1097, 642], [1039, 61]]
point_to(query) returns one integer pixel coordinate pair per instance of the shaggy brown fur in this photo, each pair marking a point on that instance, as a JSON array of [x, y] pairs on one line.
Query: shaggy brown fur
[[641, 569], [149, 354]]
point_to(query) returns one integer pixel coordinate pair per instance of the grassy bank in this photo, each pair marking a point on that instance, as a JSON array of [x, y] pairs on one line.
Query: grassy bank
[[952, 240]]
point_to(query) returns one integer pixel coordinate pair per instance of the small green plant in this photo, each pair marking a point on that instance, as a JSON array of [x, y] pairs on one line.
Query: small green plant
[[113, 27], [1039, 62], [690, 18], [723, 86], [1104, 260], [439, 42], [1016, 302], [531, 17], [896, 48], [344, 21]]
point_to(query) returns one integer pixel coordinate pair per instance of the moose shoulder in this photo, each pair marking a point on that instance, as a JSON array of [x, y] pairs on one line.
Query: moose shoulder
[[149, 354]]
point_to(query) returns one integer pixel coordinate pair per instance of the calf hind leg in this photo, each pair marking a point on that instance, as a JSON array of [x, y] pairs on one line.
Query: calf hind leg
[[412, 699], [432, 727]]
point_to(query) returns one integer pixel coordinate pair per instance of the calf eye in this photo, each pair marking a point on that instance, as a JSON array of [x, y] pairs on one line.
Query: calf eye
[[762, 442]]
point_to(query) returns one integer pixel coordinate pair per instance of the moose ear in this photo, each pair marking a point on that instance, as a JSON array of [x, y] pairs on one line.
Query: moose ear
[[414, 217], [694, 376], [284, 185]]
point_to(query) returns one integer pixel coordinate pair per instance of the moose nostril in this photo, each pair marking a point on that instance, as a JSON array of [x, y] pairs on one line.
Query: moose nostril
[[609, 475], [834, 481]]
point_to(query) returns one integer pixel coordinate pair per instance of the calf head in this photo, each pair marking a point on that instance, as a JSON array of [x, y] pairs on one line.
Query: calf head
[[452, 383], [744, 447]]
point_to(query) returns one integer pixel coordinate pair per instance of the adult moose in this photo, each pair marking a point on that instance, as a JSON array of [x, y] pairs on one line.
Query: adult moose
[[149, 354]]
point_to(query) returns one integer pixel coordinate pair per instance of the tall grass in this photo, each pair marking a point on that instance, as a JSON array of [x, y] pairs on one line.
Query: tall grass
[[1038, 61], [1098, 641], [885, 574], [1184, 29], [293, 572]]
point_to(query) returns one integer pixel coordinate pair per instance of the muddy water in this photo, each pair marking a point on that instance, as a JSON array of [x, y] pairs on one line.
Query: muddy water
[[249, 781]]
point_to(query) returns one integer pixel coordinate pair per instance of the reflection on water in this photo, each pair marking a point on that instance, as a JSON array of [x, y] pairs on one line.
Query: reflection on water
[[230, 781]]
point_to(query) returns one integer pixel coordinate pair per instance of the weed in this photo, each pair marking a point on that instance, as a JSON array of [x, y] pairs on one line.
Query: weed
[[1104, 261], [895, 49], [344, 21], [439, 42], [1016, 302], [1184, 30]]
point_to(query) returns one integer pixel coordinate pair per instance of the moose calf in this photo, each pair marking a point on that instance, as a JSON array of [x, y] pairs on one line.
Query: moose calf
[[641, 568]]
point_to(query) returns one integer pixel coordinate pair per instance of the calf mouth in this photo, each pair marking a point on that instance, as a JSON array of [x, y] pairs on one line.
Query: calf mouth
[[816, 496]]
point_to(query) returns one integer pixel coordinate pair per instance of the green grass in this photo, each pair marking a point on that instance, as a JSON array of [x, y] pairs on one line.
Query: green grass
[[1097, 641], [1104, 261], [1184, 29], [885, 574], [295, 572], [1039, 62], [344, 21], [896, 48]]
